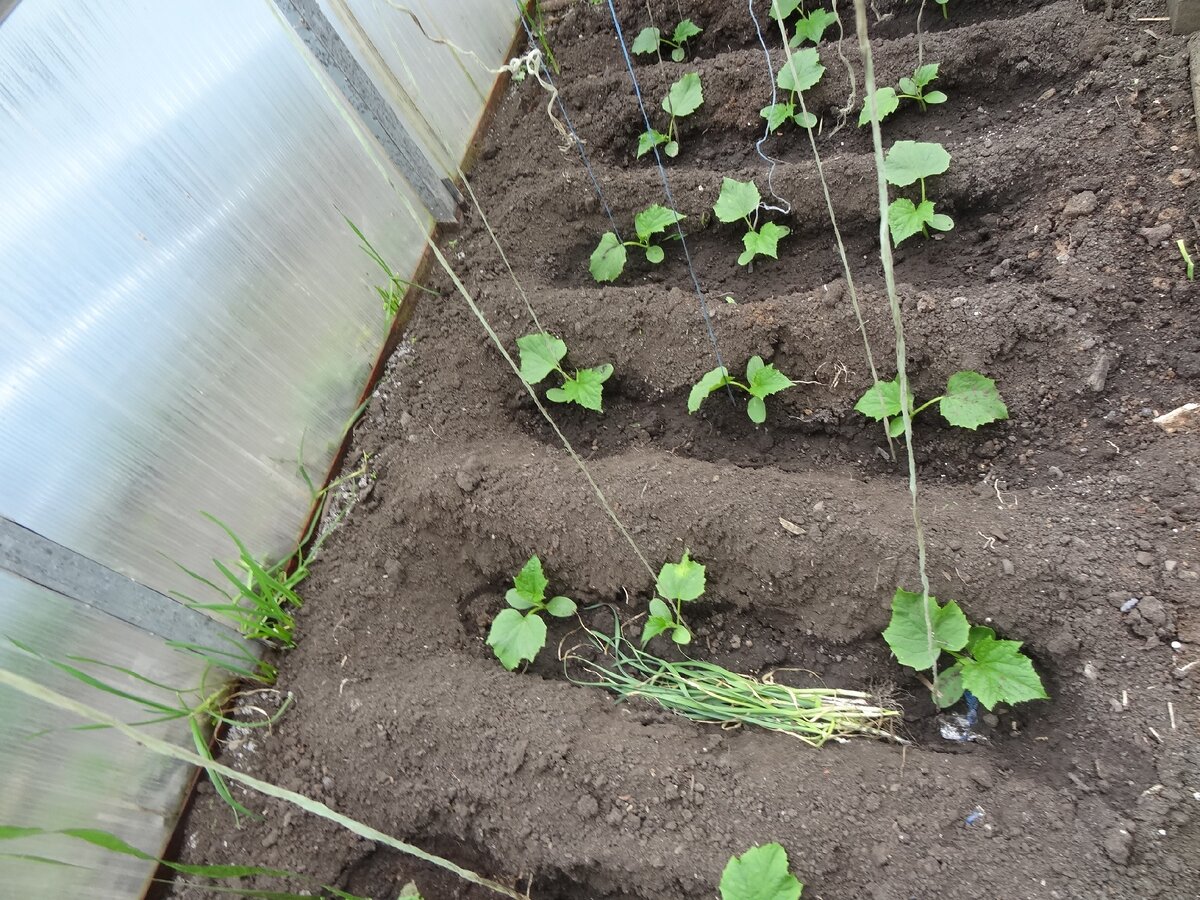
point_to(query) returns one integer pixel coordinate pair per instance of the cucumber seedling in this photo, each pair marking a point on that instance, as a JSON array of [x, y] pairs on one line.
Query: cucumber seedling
[[906, 163], [761, 873], [649, 40], [677, 583], [684, 97], [519, 632], [970, 400], [1187, 259], [994, 671], [541, 354], [761, 382], [808, 27], [608, 259], [887, 99], [738, 201], [800, 73]]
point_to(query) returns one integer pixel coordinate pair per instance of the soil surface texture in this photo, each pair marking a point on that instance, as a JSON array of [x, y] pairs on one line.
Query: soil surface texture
[[1075, 170]]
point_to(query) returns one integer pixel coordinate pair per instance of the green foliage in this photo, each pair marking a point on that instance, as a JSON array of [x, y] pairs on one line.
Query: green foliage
[[781, 9], [812, 26], [887, 99], [761, 873], [907, 162], [543, 353], [609, 258], [518, 633], [677, 583], [392, 294], [995, 671], [970, 400], [649, 40], [945, 5], [684, 97], [737, 201], [1187, 259], [761, 382], [800, 73]]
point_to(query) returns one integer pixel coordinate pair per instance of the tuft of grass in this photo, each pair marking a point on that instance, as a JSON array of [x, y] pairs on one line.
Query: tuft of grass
[[392, 294], [202, 705], [713, 695]]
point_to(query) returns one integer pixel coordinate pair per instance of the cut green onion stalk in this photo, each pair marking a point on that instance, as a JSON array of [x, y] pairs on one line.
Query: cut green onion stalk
[[711, 694]]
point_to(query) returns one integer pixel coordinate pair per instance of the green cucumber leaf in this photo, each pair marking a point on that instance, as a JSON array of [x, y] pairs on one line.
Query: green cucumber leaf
[[530, 584], [886, 103], [681, 635], [925, 74], [586, 388], [756, 409], [906, 633], [765, 380], [812, 26], [682, 581], [882, 400], [805, 120], [712, 381], [515, 637], [608, 259], [685, 96], [908, 86], [802, 71], [560, 607], [781, 9], [776, 114], [654, 220], [971, 400], [737, 200], [671, 149], [648, 140], [647, 41], [540, 354], [764, 242], [660, 608], [655, 254], [906, 219], [935, 97], [949, 686], [998, 672], [655, 625], [685, 30], [761, 873], [910, 161]]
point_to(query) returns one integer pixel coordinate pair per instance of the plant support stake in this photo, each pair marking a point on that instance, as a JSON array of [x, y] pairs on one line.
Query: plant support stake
[[889, 277]]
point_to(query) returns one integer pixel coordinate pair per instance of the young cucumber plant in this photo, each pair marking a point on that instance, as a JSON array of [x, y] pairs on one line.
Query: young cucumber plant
[[761, 873], [808, 27], [649, 40], [994, 671], [887, 99], [800, 73], [906, 163], [684, 97], [608, 259], [970, 400], [761, 382], [519, 632], [738, 201], [677, 583], [541, 354]]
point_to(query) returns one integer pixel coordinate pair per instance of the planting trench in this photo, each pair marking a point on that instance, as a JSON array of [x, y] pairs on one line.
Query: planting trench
[[1075, 170]]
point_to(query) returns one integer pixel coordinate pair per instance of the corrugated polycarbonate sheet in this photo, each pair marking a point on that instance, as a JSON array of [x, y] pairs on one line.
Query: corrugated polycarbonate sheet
[[182, 306], [55, 776], [439, 92]]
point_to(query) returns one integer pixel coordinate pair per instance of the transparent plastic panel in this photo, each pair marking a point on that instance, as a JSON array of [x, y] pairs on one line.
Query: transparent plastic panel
[[182, 306], [438, 92], [56, 776]]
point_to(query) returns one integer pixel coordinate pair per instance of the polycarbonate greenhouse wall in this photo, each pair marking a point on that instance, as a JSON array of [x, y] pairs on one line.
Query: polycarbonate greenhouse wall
[[183, 313]]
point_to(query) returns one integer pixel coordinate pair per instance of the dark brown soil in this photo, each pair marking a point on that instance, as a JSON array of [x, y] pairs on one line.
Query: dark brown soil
[[1045, 524]]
